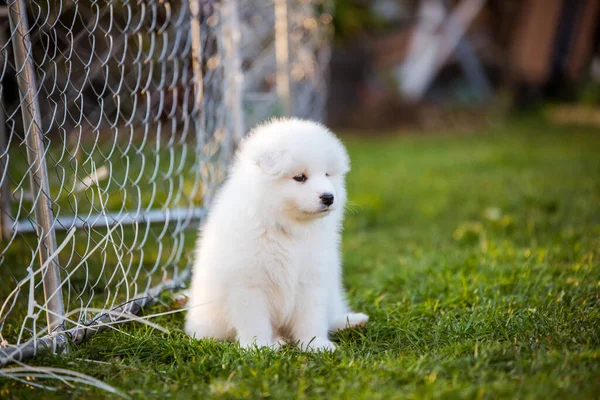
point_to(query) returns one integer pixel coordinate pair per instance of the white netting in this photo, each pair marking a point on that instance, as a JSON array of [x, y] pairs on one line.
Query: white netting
[[120, 120]]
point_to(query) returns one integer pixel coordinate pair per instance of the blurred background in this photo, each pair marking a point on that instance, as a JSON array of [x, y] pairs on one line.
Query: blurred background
[[439, 63], [119, 119], [358, 64]]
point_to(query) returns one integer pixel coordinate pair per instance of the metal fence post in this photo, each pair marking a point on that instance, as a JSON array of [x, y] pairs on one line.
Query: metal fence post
[[197, 114], [5, 203], [38, 172], [195, 33], [282, 55], [233, 82]]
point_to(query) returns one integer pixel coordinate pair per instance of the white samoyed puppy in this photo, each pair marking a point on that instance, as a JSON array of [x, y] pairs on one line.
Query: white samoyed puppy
[[267, 269]]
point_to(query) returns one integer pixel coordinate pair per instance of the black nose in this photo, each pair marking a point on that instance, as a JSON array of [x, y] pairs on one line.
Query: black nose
[[327, 199]]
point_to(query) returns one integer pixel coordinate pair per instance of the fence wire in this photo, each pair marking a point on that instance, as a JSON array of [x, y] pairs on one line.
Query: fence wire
[[117, 122]]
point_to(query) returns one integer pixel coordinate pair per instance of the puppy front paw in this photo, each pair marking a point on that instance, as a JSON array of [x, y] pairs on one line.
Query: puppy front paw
[[251, 344], [317, 345], [279, 343]]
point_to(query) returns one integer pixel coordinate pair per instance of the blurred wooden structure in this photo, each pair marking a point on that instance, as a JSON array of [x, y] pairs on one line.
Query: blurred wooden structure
[[534, 48], [553, 41]]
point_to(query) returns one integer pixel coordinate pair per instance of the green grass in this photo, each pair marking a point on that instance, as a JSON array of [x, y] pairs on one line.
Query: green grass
[[477, 257]]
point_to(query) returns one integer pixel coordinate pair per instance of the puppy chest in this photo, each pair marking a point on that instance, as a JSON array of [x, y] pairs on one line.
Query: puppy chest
[[286, 265], [279, 283], [279, 286]]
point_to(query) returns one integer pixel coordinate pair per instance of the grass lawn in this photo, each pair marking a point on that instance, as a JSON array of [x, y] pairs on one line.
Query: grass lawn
[[477, 257]]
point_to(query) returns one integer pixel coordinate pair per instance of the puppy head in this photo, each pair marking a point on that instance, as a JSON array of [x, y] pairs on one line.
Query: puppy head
[[301, 167]]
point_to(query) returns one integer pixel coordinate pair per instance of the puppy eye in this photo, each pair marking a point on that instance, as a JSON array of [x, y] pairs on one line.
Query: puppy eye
[[300, 178]]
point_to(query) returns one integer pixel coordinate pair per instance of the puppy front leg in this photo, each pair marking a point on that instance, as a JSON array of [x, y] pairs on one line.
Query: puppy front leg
[[250, 318], [309, 327]]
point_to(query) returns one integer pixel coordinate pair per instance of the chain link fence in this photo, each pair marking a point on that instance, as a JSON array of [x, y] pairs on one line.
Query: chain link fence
[[117, 122]]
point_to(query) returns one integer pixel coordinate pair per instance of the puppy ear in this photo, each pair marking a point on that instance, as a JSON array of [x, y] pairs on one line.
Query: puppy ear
[[273, 162]]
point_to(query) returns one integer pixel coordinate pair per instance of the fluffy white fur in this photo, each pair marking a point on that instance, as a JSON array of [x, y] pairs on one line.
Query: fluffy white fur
[[267, 268]]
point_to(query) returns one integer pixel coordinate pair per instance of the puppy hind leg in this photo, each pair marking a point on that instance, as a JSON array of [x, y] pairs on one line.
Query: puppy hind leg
[[341, 315], [349, 320], [337, 303]]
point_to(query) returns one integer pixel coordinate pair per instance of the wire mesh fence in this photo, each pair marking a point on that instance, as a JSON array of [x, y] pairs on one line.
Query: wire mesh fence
[[118, 121]]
